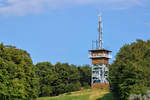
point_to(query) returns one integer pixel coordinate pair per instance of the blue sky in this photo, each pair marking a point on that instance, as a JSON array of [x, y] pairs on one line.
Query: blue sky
[[62, 30]]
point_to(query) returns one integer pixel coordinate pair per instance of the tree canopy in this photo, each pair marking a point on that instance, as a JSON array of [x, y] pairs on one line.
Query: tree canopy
[[17, 76], [20, 79], [61, 77], [130, 72]]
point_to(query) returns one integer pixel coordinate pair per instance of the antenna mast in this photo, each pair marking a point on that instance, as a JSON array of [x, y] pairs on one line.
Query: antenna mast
[[100, 60], [100, 31]]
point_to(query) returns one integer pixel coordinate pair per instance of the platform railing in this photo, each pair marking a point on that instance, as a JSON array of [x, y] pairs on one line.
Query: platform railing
[[99, 55]]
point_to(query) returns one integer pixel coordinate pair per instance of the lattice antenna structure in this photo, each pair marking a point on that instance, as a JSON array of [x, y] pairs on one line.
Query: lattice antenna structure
[[100, 60]]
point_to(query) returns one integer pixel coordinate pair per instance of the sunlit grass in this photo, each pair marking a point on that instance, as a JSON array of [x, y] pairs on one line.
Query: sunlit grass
[[80, 97], [89, 94]]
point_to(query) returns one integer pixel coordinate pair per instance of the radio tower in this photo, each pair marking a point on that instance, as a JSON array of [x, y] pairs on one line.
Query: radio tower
[[100, 60]]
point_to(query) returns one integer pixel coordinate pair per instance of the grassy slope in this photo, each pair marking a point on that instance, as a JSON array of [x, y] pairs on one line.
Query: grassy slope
[[90, 94]]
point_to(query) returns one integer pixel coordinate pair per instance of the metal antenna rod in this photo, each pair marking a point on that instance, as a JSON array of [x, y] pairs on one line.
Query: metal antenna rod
[[96, 44], [100, 32], [92, 44]]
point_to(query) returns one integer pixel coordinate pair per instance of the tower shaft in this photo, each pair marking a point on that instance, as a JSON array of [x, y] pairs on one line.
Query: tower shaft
[[100, 32]]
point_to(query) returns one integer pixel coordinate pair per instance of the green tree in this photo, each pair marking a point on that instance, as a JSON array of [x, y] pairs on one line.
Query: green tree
[[85, 75], [129, 73], [17, 76], [67, 76], [47, 78], [61, 78]]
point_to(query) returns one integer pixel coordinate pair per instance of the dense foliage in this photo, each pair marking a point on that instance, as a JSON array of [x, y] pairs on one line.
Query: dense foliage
[[20, 79], [130, 72], [17, 76], [85, 75], [61, 78]]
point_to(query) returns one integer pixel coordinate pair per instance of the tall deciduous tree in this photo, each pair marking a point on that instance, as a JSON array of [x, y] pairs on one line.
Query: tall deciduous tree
[[47, 78], [17, 76], [129, 73]]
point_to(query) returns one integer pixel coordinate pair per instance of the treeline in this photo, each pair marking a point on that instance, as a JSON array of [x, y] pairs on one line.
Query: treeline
[[62, 78], [20, 79], [130, 72]]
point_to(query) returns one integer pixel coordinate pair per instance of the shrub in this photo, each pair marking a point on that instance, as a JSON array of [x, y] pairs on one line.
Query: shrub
[[86, 85]]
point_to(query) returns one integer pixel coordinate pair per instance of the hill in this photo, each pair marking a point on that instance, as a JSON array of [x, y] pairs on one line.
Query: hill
[[89, 94]]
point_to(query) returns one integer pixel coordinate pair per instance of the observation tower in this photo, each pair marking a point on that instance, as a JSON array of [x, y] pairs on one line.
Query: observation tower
[[100, 60]]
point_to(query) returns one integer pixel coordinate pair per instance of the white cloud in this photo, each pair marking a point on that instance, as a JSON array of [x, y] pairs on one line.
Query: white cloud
[[21, 7]]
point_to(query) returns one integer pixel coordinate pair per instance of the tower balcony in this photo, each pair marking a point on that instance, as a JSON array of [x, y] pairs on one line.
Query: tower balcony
[[99, 55]]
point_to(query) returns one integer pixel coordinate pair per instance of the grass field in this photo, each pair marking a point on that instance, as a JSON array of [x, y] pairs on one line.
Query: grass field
[[90, 94]]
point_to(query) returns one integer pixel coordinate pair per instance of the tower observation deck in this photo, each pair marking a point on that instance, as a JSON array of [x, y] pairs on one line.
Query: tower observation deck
[[100, 60]]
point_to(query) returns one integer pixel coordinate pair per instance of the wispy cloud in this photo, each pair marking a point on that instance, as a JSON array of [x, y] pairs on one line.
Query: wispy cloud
[[22, 7]]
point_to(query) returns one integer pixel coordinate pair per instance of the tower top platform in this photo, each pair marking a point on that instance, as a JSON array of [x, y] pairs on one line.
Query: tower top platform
[[98, 54]]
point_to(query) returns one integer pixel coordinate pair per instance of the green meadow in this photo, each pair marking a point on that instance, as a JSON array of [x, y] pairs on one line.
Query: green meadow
[[89, 94]]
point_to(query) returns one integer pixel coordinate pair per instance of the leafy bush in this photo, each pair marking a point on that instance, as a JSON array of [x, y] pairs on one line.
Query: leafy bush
[[140, 97], [135, 97], [86, 85]]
